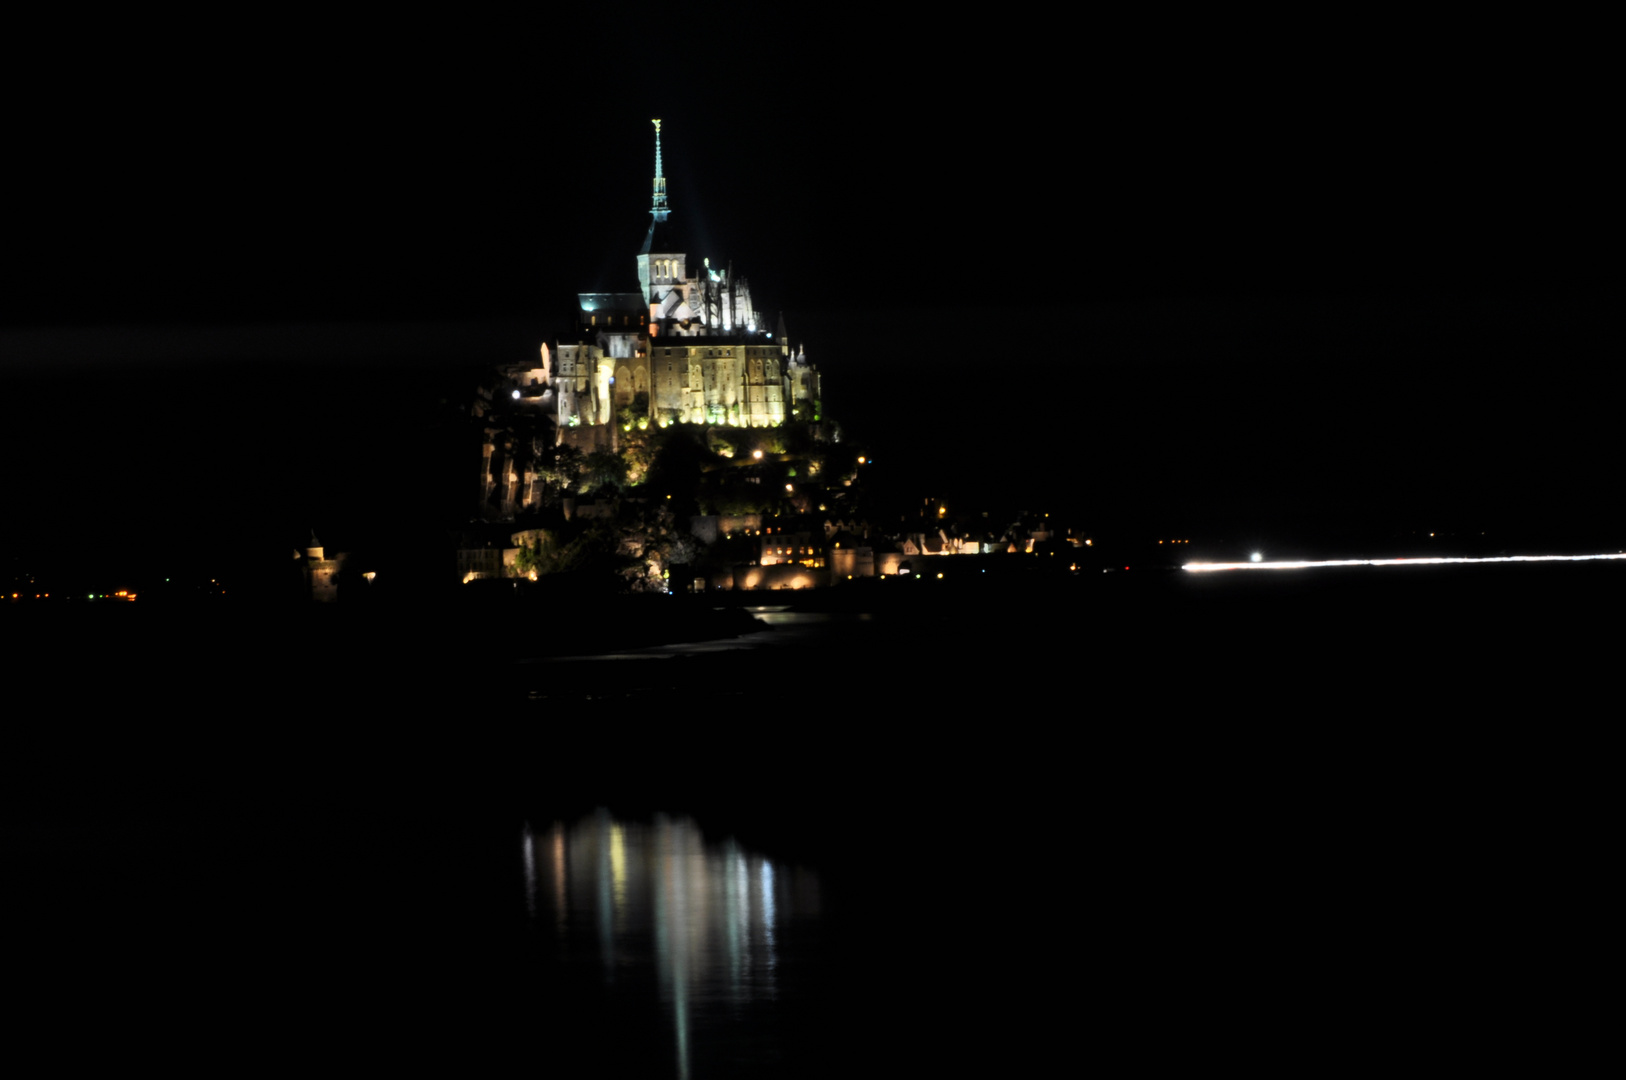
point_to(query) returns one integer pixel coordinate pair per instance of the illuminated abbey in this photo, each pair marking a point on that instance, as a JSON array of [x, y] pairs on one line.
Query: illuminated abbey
[[690, 346]]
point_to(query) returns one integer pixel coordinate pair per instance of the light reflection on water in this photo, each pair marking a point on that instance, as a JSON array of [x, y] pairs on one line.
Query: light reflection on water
[[707, 919], [782, 629]]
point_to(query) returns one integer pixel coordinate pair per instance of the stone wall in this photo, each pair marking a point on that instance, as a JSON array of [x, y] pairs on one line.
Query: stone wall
[[783, 576]]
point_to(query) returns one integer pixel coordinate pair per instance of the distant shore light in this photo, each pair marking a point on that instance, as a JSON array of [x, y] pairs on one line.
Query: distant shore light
[[1307, 564]]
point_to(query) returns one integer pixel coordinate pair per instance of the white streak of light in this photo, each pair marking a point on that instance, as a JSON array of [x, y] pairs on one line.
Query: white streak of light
[[1307, 565]]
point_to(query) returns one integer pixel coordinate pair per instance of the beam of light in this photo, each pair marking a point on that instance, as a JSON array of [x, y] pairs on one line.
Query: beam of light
[[606, 933], [768, 918], [618, 871], [560, 902], [530, 874], [1429, 561]]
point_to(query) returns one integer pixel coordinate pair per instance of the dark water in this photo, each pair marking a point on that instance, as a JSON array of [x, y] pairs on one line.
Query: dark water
[[1292, 824]]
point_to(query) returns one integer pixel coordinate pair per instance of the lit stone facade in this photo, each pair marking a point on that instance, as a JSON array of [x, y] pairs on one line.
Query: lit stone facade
[[686, 348], [322, 573]]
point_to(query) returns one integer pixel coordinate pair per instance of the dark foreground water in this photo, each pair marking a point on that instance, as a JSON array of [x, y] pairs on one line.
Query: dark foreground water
[[1284, 825]]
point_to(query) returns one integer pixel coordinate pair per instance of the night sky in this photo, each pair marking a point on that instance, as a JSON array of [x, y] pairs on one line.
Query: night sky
[[1261, 279]]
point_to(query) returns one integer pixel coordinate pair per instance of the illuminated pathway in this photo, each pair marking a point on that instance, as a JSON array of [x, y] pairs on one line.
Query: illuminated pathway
[[1308, 565]]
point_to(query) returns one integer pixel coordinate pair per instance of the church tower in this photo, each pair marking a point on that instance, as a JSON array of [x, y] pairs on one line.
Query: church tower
[[690, 349], [660, 271]]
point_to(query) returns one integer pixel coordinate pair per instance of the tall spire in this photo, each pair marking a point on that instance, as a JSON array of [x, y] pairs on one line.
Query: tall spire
[[660, 209]]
